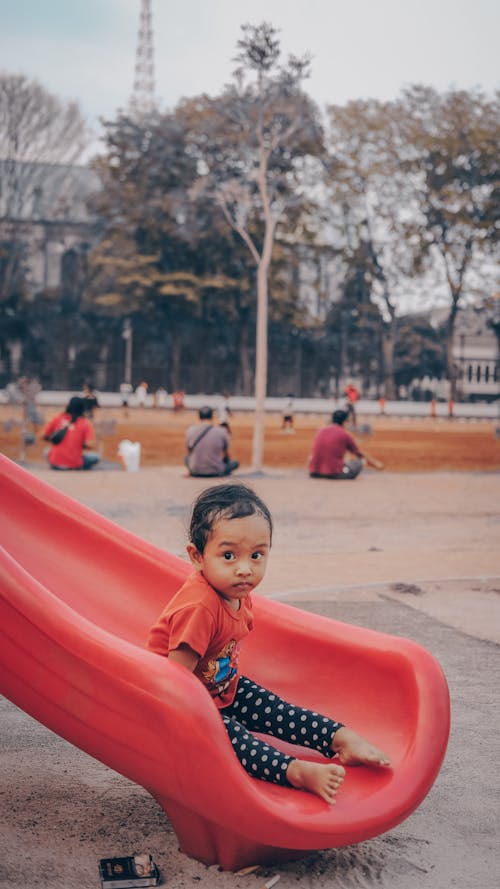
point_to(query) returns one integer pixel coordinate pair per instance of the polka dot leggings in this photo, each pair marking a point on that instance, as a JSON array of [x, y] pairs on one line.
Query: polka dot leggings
[[263, 711]]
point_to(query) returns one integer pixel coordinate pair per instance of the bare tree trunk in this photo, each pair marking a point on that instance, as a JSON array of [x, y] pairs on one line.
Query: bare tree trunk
[[261, 339], [176, 362], [260, 367], [246, 370], [456, 287], [451, 367], [388, 341], [263, 265]]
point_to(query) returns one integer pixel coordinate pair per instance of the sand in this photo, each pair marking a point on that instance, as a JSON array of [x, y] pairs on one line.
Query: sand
[[414, 554]]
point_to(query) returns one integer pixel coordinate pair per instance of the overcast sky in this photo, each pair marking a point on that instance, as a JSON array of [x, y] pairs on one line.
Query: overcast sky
[[85, 49]]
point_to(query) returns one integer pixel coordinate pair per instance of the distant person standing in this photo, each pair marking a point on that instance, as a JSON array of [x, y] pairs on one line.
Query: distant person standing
[[161, 397], [208, 448], [351, 396], [224, 412], [178, 399], [125, 392], [329, 448], [141, 394], [287, 414], [28, 388], [70, 433], [90, 399]]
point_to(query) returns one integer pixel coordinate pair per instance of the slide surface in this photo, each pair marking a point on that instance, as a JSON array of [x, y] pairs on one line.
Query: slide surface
[[77, 597]]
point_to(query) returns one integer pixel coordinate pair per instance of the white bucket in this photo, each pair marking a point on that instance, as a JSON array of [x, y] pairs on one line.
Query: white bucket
[[130, 452]]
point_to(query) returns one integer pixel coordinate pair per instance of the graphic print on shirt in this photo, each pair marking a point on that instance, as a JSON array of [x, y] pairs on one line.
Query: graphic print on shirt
[[222, 668]]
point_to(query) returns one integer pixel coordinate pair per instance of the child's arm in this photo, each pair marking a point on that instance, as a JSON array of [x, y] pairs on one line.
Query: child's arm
[[185, 656]]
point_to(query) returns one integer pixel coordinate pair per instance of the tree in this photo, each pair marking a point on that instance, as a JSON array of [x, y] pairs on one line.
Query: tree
[[160, 255], [419, 181], [369, 195], [418, 350], [451, 155], [261, 131]]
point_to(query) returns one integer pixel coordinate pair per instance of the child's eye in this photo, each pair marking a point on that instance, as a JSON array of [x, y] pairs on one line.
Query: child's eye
[[228, 556], [257, 556]]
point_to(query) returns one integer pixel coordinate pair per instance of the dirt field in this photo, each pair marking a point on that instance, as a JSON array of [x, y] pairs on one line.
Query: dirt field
[[412, 445]]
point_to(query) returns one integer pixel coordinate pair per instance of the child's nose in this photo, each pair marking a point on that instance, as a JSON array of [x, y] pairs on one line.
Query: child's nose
[[244, 567]]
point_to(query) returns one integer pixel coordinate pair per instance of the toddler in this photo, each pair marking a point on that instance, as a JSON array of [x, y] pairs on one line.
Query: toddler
[[203, 627]]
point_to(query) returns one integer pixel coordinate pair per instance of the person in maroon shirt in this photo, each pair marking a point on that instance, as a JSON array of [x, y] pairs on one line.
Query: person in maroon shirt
[[329, 449]]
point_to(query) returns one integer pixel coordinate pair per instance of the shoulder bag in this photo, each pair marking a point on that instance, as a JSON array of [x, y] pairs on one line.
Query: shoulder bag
[[58, 435]]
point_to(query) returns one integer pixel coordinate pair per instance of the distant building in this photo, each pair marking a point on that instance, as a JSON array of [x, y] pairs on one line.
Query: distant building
[[45, 206], [476, 354]]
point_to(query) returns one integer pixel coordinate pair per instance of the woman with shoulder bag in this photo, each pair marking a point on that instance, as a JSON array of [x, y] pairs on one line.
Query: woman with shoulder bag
[[69, 434]]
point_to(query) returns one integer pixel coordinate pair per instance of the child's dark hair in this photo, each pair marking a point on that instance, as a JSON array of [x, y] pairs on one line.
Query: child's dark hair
[[229, 501]]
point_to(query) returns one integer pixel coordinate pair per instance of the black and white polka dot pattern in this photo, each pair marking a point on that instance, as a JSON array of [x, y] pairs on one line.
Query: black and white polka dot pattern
[[255, 708]]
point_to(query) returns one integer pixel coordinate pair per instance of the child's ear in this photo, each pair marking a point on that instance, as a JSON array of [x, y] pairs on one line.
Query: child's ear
[[195, 557]]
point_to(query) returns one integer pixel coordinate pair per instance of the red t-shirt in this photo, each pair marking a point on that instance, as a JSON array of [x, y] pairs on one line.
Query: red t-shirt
[[352, 393], [197, 616], [329, 447], [69, 453]]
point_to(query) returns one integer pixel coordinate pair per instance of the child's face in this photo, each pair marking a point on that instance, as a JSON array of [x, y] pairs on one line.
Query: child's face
[[235, 557]]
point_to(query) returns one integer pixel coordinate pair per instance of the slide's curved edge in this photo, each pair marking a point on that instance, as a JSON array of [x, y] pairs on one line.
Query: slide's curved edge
[[153, 722]]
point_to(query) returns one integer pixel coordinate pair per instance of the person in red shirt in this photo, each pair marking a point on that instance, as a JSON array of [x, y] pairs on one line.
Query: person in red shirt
[[329, 448], [79, 436], [351, 397], [203, 627]]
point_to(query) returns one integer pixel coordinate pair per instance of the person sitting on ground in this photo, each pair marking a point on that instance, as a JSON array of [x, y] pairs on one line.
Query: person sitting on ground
[[202, 628], [329, 447], [208, 448], [67, 453]]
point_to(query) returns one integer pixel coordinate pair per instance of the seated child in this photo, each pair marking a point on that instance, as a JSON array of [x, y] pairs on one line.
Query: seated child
[[203, 627]]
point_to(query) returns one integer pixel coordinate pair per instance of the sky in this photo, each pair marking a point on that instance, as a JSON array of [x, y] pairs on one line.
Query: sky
[[85, 50]]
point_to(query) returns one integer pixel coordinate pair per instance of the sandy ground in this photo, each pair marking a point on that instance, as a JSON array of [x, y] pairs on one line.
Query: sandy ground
[[412, 554], [404, 444]]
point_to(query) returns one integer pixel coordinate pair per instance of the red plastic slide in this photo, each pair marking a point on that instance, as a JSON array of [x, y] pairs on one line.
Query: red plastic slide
[[77, 596]]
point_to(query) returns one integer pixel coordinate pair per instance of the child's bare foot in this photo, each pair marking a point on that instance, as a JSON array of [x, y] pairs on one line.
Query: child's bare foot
[[354, 750], [324, 779]]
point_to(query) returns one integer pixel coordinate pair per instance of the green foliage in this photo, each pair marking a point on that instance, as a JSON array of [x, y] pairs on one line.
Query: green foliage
[[419, 351], [418, 184], [159, 250]]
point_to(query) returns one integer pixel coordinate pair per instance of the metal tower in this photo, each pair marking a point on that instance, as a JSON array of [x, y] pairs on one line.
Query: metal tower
[[142, 100]]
